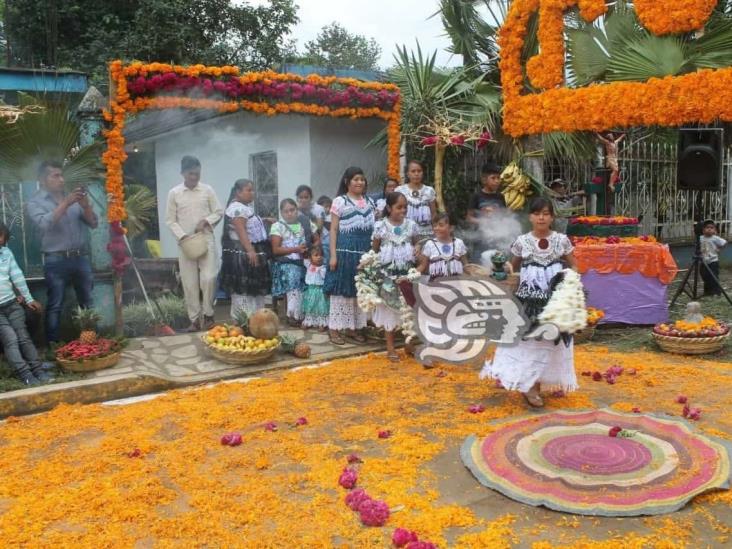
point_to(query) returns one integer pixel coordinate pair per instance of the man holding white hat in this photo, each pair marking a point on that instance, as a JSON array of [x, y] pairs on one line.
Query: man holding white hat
[[193, 211]]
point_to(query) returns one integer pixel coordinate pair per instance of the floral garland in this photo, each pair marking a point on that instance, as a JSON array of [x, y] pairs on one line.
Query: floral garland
[[673, 17], [566, 307], [369, 281], [669, 101], [138, 86]]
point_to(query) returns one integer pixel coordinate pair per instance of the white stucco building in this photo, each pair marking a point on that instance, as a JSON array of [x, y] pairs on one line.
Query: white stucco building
[[278, 153]]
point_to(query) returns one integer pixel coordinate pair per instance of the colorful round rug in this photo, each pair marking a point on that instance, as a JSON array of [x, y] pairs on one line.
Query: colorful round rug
[[567, 461]]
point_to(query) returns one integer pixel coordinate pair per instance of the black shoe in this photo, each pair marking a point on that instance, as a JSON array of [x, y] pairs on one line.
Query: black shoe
[[30, 380], [44, 376]]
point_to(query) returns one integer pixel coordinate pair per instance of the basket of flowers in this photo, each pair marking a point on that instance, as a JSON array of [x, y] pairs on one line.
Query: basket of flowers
[[593, 317], [89, 352], [691, 338]]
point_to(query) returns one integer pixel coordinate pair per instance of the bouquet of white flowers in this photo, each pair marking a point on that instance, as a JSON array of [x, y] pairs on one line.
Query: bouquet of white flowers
[[375, 286], [566, 307]]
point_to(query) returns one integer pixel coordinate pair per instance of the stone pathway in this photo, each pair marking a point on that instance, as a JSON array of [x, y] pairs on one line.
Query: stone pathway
[[151, 364]]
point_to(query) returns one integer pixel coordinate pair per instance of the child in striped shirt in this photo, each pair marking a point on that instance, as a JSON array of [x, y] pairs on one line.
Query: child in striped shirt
[[20, 352]]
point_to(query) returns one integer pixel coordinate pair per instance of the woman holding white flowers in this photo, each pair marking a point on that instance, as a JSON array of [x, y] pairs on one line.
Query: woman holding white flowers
[[394, 238], [540, 254]]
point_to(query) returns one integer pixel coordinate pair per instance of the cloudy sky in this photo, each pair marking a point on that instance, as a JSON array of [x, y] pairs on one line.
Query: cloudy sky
[[389, 22]]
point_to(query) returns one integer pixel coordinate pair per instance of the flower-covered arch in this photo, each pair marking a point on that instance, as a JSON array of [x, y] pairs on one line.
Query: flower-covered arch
[[138, 87], [703, 96]]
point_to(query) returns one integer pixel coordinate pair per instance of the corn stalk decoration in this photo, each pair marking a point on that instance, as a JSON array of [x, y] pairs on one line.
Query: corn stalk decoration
[[442, 132], [11, 114]]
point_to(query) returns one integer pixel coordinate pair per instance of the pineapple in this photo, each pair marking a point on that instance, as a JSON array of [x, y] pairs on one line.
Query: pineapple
[[241, 319], [87, 320], [293, 346]]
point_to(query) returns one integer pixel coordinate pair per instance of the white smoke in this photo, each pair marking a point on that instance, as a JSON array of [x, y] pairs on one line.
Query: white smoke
[[495, 233]]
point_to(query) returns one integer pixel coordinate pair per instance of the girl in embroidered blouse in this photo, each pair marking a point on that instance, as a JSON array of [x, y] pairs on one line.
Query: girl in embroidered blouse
[[289, 245], [527, 367], [444, 255], [314, 304], [245, 273], [390, 186], [420, 198], [352, 222], [394, 239]]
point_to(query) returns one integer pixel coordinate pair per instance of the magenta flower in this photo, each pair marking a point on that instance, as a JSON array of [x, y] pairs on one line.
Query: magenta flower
[[384, 434], [301, 421], [457, 140], [611, 380], [348, 478], [597, 376], [636, 410], [686, 410], [355, 498], [353, 458], [484, 139], [614, 431], [558, 394], [615, 370], [681, 399], [373, 512], [136, 453], [231, 439], [476, 409], [270, 426], [429, 141], [402, 536], [695, 414]]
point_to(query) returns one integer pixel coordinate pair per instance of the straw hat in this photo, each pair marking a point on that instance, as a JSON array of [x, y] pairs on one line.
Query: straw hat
[[195, 246]]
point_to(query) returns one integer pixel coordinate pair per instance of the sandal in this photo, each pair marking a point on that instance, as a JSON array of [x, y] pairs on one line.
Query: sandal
[[336, 338], [355, 336], [533, 398], [393, 357]]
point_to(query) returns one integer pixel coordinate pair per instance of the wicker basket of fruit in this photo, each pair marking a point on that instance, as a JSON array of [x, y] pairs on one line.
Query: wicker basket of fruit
[[593, 317], [90, 352], [691, 338], [230, 345]]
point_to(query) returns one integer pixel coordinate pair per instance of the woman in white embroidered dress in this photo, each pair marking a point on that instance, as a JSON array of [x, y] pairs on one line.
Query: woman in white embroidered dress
[[420, 198], [394, 238], [352, 222], [532, 365], [245, 273]]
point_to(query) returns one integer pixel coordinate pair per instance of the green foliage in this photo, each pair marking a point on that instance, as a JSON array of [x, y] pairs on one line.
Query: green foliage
[[141, 204], [51, 133], [337, 48], [241, 319], [87, 34], [139, 322], [618, 48], [85, 319]]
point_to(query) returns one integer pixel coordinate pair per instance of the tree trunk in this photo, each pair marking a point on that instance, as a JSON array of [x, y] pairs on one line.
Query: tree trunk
[[533, 165], [439, 167]]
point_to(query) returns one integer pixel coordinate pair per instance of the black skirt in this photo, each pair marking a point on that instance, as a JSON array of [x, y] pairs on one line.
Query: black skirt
[[238, 275]]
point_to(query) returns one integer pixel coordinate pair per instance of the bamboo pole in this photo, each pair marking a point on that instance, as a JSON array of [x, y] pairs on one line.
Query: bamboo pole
[[439, 167]]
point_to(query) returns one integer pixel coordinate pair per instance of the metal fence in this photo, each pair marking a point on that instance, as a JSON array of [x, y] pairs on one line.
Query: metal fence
[[651, 191]]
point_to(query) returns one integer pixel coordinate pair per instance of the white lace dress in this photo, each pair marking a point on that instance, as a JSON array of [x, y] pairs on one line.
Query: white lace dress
[[445, 258], [396, 253], [418, 207], [551, 364]]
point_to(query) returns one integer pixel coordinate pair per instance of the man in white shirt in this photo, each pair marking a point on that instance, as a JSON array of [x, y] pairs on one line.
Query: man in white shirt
[[193, 208]]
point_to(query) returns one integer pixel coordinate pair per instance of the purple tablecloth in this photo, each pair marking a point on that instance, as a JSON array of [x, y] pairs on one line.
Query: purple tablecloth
[[627, 298]]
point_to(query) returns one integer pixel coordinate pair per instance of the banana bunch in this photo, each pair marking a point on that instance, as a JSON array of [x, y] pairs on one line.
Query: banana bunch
[[516, 186]]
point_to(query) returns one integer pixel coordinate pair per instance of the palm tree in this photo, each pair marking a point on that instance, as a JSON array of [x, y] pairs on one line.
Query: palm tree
[[618, 48]]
